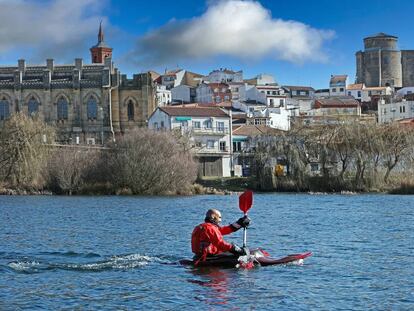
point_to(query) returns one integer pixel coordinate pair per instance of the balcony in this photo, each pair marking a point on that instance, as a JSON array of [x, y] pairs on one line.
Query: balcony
[[213, 131]]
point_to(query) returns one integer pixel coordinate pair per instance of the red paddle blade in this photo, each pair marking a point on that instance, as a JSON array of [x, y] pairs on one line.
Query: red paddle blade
[[246, 201]]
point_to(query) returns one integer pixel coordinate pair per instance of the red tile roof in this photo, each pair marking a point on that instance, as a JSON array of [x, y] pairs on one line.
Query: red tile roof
[[358, 86], [337, 102]]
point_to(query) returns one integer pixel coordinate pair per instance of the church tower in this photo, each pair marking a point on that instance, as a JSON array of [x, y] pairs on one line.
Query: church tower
[[100, 51]]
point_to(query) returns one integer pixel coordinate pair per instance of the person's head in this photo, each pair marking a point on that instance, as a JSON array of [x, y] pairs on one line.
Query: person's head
[[213, 216]]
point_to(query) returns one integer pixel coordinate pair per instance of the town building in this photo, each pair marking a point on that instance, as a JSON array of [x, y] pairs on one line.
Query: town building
[[164, 96], [395, 111], [213, 93], [262, 79], [337, 85], [383, 64], [224, 75], [322, 93], [355, 90], [208, 130], [87, 103]]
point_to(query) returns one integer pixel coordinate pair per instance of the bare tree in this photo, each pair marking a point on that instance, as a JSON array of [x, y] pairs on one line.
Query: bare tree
[[69, 167], [397, 145], [24, 150], [148, 162]]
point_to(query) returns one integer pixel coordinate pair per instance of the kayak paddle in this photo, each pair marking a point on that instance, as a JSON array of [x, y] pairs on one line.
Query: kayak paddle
[[245, 203]]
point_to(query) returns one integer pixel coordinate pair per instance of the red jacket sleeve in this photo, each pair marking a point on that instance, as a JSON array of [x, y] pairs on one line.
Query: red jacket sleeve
[[218, 241], [227, 229]]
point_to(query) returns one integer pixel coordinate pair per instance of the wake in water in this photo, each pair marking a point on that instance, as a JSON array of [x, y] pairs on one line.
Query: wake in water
[[118, 262]]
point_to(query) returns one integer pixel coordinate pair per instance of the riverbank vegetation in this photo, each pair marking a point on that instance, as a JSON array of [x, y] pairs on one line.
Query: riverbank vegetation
[[348, 156], [141, 162]]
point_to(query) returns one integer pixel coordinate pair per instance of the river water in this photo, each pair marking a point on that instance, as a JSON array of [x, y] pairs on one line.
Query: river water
[[121, 253]]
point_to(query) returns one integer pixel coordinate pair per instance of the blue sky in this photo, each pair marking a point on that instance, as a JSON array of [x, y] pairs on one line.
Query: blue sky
[[299, 42]]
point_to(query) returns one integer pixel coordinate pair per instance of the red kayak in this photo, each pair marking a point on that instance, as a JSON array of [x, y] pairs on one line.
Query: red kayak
[[257, 257]]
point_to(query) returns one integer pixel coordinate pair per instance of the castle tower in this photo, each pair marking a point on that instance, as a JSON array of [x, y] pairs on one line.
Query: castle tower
[[100, 51], [380, 63]]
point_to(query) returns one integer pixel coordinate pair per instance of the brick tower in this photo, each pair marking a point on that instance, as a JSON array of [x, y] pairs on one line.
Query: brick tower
[[100, 51]]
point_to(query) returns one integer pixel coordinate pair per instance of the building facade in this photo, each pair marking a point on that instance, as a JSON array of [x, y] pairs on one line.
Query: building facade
[[87, 103], [383, 64], [208, 130]]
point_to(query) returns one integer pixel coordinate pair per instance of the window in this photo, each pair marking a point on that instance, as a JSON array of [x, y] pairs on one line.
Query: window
[[196, 124], [314, 167], [402, 109], [32, 106], [62, 109], [208, 124], [155, 125], [268, 92], [198, 144], [162, 124], [349, 93], [334, 90], [218, 99], [92, 109], [341, 89], [4, 109], [222, 146], [237, 146], [282, 103], [226, 98], [359, 93], [272, 102], [274, 93], [369, 93], [131, 111], [210, 144], [220, 126]]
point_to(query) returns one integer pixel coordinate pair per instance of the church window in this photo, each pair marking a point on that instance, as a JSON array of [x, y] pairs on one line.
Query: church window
[[4, 109], [32, 106], [130, 111], [92, 109], [62, 109]]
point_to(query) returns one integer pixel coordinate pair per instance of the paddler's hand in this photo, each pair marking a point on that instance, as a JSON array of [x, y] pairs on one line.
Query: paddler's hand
[[243, 222], [237, 250]]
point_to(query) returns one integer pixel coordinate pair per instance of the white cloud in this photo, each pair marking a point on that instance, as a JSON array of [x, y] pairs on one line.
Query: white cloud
[[53, 28], [237, 28]]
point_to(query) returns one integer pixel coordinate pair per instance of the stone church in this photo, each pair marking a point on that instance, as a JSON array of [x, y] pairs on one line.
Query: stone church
[[87, 103]]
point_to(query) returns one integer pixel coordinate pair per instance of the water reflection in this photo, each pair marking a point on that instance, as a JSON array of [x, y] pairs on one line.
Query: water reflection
[[214, 284]]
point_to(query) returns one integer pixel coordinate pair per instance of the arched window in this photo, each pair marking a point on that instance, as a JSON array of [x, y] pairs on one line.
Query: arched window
[[92, 108], [4, 109], [130, 111], [32, 106], [62, 109]]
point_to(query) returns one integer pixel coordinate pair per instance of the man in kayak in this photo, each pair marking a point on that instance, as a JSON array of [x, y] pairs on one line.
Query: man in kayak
[[207, 238]]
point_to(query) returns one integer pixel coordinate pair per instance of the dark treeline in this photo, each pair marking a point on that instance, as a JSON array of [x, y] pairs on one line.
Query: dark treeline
[[347, 156], [141, 162]]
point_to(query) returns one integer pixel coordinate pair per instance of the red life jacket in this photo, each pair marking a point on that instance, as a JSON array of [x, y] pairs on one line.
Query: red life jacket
[[207, 239]]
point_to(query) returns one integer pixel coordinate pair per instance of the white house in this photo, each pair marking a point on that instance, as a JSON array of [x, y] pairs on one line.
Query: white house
[[163, 95], [393, 111], [337, 85], [405, 91], [369, 92], [183, 94], [225, 76], [275, 95], [356, 91], [208, 130]]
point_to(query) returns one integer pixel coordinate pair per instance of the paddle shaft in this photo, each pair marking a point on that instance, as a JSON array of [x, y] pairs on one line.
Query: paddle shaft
[[244, 235]]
